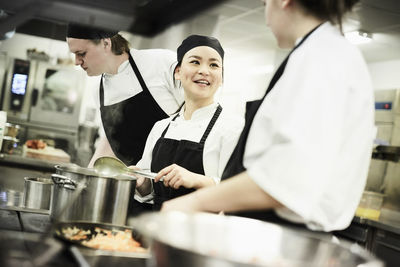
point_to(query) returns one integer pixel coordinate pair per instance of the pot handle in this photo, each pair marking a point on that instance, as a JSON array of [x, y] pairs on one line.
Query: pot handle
[[64, 181]]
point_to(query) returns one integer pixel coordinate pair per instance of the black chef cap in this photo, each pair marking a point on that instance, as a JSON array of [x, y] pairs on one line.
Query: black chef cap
[[198, 40], [86, 32]]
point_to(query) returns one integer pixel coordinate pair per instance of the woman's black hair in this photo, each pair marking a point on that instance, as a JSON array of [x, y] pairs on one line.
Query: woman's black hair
[[173, 78], [331, 10], [173, 74]]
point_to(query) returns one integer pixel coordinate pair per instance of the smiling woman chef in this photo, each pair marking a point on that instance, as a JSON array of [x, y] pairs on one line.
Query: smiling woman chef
[[192, 147], [304, 153], [136, 90]]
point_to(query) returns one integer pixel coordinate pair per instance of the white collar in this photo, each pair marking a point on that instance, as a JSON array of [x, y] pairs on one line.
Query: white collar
[[121, 69], [323, 25], [200, 112]]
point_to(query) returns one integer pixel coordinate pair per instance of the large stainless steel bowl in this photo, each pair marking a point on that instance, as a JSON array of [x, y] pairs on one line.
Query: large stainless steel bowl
[[200, 239]]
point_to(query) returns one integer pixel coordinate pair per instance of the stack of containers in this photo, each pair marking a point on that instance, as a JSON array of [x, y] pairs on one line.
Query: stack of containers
[[8, 134]]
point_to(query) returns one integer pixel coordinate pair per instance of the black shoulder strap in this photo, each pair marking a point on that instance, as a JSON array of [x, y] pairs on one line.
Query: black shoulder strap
[[137, 73], [166, 129], [101, 93], [281, 68], [211, 124]]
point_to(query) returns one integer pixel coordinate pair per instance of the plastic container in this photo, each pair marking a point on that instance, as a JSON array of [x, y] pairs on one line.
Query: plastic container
[[3, 120], [9, 143], [370, 205], [11, 130]]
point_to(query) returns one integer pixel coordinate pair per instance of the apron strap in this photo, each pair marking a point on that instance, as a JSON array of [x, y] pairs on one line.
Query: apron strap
[[281, 68], [137, 73], [211, 124], [235, 162], [101, 92], [138, 76], [209, 127], [166, 129]]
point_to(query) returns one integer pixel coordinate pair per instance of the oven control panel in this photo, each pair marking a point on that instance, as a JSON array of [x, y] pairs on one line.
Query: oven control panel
[[19, 84]]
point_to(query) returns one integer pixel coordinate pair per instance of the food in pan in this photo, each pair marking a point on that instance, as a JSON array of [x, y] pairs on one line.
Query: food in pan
[[35, 144], [114, 240], [75, 233], [104, 239]]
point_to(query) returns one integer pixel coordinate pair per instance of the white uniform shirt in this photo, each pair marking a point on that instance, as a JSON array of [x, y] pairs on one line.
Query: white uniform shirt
[[310, 143], [156, 67], [218, 146]]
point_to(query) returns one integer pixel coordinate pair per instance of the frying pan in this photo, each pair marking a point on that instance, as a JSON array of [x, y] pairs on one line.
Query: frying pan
[[91, 227]]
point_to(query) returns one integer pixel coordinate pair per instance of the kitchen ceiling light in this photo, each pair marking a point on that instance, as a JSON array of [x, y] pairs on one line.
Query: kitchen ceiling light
[[358, 37]]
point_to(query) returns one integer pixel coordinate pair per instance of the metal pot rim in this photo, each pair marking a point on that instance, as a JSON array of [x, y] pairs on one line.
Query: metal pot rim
[[88, 172], [39, 180]]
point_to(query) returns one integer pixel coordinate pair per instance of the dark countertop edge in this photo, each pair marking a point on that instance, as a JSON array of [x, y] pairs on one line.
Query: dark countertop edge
[[14, 208], [384, 224], [19, 161]]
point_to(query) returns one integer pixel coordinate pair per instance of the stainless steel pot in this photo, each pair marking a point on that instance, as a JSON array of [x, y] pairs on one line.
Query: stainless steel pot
[[205, 240], [37, 193], [102, 200]]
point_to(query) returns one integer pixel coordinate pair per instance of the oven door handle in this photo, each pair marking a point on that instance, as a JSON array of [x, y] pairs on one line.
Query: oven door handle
[[34, 97]]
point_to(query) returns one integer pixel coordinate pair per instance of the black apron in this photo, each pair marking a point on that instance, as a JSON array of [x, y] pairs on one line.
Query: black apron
[[184, 153], [235, 163], [127, 125]]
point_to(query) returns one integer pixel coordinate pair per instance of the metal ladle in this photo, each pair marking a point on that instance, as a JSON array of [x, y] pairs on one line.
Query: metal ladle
[[111, 166]]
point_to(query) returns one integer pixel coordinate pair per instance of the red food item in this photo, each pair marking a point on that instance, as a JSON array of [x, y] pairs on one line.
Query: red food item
[[116, 240], [35, 144]]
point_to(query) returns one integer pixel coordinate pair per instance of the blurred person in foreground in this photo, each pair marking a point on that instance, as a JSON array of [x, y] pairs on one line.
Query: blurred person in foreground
[[303, 156]]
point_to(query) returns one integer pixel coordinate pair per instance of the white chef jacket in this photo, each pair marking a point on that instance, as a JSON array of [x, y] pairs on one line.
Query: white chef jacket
[[156, 67], [218, 146], [310, 143]]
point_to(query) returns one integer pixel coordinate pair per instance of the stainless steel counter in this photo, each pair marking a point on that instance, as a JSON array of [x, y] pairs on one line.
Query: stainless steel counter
[[19, 218], [23, 239], [389, 220], [30, 249]]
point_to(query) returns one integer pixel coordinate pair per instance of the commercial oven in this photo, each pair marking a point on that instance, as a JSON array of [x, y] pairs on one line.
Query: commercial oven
[[44, 99], [42, 93]]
